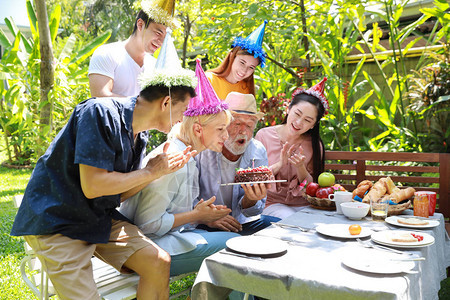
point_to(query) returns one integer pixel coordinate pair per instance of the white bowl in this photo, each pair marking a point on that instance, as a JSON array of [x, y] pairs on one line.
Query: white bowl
[[355, 210]]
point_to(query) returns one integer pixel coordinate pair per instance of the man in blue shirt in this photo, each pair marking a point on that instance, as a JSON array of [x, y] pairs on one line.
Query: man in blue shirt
[[68, 212], [241, 150]]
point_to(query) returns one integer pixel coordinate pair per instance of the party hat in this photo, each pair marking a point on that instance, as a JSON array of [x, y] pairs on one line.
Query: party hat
[[160, 11], [206, 102], [253, 43], [316, 91], [168, 71]]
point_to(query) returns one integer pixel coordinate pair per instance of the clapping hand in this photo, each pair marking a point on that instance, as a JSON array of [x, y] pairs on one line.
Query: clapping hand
[[284, 155], [166, 163], [208, 212], [297, 159]]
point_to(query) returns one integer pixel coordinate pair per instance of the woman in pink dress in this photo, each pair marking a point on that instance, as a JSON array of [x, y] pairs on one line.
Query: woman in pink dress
[[295, 150]]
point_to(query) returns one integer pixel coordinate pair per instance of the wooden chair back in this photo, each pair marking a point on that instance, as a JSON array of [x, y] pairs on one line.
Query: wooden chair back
[[431, 174]]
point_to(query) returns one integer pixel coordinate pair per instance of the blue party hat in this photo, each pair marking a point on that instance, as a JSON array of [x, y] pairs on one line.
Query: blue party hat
[[168, 71], [253, 43]]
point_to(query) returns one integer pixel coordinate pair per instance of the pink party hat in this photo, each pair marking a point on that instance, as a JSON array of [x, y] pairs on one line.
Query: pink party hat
[[316, 91], [206, 102]]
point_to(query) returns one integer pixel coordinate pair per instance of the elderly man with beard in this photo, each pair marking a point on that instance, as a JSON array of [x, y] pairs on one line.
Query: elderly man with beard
[[239, 151]]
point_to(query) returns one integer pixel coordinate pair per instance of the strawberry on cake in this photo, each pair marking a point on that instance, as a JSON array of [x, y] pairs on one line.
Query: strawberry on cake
[[253, 174]]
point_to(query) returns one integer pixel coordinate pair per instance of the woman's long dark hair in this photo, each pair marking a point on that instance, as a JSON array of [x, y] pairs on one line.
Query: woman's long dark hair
[[317, 144]]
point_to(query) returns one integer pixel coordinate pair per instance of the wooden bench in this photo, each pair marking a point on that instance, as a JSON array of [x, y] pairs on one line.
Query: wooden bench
[[423, 171], [111, 284]]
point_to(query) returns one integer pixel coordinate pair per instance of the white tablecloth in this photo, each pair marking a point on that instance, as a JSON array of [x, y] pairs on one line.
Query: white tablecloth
[[312, 268]]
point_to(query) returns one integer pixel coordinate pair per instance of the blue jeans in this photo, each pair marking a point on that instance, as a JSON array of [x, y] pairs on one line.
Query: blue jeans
[[257, 225], [250, 227], [192, 260]]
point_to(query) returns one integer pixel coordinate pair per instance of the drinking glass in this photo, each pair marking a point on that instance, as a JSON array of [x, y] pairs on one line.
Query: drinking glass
[[431, 200], [379, 209], [421, 205]]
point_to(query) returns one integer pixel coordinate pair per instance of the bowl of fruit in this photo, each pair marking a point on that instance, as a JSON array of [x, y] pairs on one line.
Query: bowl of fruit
[[317, 192]]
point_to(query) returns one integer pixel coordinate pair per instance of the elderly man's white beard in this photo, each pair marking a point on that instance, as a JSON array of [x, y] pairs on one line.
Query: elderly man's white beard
[[236, 148]]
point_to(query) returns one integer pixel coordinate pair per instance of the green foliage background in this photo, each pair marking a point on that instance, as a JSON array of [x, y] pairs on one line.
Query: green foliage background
[[367, 113]]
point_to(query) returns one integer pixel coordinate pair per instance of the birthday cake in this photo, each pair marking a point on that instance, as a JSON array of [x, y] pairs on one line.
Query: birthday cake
[[253, 174]]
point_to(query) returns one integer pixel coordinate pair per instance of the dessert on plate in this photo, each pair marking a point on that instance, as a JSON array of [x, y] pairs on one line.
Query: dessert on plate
[[253, 174]]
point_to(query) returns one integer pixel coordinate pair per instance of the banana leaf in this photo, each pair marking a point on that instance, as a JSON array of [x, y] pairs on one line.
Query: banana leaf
[[32, 18], [55, 18], [4, 41], [89, 49]]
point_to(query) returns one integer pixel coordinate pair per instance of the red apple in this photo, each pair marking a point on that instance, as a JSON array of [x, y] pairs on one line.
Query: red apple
[[312, 188], [324, 192], [330, 190]]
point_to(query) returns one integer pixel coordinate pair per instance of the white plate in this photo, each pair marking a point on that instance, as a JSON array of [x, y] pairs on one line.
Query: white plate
[[393, 221], [377, 262], [385, 238], [256, 245], [341, 231], [252, 182]]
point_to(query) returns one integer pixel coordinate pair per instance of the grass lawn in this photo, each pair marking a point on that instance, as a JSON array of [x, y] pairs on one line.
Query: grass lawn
[[12, 182]]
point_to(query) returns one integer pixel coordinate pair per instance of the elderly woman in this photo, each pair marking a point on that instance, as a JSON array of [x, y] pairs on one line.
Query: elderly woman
[[164, 209]]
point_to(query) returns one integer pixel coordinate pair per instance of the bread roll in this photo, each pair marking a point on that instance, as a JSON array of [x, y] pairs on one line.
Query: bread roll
[[361, 190], [377, 191], [390, 186], [400, 195], [366, 182]]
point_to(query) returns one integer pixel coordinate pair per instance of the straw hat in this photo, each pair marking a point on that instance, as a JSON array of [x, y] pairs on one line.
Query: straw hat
[[243, 104]]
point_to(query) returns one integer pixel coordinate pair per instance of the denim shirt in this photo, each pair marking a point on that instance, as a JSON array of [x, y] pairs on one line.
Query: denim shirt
[[99, 134], [208, 164], [153, 209]]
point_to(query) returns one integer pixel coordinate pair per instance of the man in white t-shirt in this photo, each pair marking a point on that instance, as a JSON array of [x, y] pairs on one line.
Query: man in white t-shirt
[[239, 151], [114, 68]]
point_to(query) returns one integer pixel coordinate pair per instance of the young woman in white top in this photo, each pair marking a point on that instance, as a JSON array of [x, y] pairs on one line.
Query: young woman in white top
[[163, 210]]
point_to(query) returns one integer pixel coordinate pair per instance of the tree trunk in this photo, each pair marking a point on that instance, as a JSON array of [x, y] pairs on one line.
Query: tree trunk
[[47, 66], [305, 38], [187, 32]]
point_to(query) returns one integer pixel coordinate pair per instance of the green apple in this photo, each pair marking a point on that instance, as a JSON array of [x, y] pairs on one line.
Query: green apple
[[326, 179]]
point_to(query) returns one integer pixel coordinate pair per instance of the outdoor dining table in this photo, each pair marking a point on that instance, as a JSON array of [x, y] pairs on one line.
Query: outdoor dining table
[[312, 267]]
